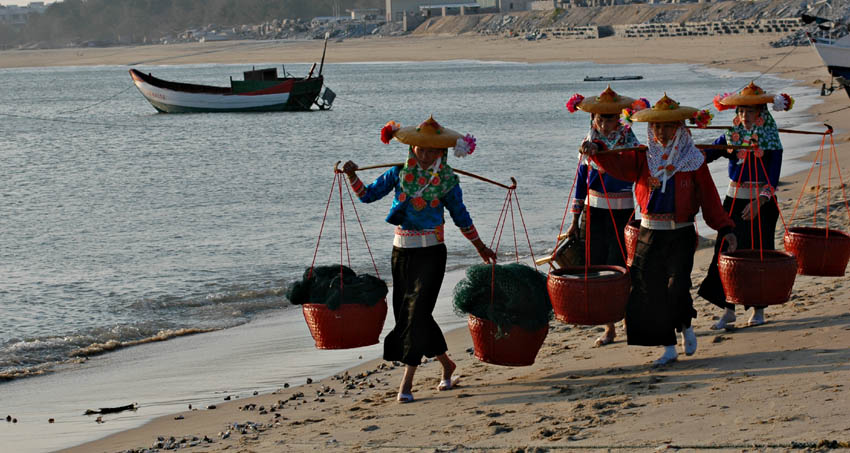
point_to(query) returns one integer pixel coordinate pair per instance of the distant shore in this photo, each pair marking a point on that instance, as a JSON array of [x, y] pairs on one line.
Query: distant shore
[[724, 51], [772, 385]]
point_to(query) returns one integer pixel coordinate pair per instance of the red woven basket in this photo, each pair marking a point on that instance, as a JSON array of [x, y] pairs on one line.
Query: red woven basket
[[349, 326], [592, 301], [750, 280], [817, 253], [631, 236], [518, 347]]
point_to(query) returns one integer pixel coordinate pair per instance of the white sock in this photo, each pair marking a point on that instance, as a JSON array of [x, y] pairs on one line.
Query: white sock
[[727, 318], [689, 341], [757, 317], [670, 355]]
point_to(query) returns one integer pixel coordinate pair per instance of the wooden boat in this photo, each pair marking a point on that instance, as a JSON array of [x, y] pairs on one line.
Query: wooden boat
[[835, 53], [260, 91], [612, 78]]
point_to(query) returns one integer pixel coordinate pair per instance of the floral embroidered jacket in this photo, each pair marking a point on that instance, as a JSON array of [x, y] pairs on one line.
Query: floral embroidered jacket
[[429, 216], [692, 190]]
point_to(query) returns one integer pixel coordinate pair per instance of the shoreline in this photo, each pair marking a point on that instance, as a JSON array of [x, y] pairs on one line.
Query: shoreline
[[203, 420], [609, 50]]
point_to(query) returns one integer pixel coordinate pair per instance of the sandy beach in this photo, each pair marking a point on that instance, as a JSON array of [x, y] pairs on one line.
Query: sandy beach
[[779, 386]]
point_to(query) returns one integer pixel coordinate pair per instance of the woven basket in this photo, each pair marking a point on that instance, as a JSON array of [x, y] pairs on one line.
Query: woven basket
[[349, 326], [593, 301], [750, 280], [817, 253], [631, 237], [518, 347]]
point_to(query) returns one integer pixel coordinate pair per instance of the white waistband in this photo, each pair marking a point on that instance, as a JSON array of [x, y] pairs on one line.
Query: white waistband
[[745, 190], [616, 200], [409, 239], [652, 224]]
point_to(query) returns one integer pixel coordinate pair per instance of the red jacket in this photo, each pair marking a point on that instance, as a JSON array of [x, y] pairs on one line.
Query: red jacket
[[694, 189]]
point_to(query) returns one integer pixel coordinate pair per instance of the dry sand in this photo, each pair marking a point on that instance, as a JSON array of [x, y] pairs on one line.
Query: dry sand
[[768, 386]]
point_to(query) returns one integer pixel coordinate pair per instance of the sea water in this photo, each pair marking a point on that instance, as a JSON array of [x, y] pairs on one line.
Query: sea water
[[122, 226]]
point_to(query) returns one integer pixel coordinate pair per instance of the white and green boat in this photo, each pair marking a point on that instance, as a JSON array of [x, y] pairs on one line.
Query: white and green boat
[[260, 91]]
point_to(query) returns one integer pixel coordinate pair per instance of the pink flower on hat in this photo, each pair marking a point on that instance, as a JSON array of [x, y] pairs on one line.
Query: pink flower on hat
[[388, 131], [575, 100]]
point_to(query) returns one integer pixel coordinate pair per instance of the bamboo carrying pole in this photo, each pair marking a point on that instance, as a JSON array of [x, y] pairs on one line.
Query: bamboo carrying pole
[[643, 148], [460, 172], [828, 131]]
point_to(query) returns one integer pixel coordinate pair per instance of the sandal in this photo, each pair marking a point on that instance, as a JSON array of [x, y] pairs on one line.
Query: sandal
[[448, 384], [405, 397]]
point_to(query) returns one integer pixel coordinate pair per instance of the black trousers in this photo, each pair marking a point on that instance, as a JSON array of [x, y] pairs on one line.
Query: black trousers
[[417, 277], [604, 248], [660, 302], [747, 232]]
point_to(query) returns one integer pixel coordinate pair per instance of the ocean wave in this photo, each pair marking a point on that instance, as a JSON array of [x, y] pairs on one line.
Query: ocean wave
[[22, 359], [111, 345]]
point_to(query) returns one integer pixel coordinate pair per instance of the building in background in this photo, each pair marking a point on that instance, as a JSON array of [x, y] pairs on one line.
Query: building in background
[[19, 15], [395, 9]]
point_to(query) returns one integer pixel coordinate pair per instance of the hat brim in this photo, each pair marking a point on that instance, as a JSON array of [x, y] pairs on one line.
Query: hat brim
[[664, 116], [747, 99], [591, 105], [447, 138]]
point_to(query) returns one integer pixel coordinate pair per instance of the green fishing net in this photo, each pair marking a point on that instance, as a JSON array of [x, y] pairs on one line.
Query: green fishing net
[[520, 296], [322, 287]]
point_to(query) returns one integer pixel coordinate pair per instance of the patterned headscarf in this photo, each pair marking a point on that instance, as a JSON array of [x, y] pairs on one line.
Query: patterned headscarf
[[425, 187], [679, 155], [764, 133]]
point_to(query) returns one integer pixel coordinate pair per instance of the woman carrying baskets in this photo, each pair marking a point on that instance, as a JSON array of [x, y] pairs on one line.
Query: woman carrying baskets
[[673, 183], [423, 187], [750, 199], [601, 190]]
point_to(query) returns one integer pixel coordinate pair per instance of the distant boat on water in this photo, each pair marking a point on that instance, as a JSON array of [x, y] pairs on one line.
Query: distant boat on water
[[612, 78], [260, 91]]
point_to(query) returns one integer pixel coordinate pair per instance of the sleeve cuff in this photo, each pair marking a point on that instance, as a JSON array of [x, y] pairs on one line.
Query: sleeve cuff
[[470, 232], [358, 187], [577, 207]]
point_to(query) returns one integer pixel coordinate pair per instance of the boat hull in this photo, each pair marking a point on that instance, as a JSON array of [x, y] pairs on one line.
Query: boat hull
[[170, 97], [836, 57]]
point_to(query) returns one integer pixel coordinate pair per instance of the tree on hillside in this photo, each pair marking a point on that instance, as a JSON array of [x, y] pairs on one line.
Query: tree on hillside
[[134, 21]]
